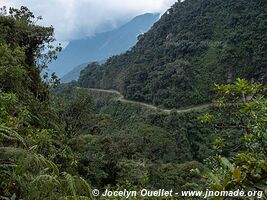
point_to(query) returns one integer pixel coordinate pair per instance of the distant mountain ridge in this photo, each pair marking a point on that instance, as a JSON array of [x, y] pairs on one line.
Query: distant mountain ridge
[[102, 45], [194, 45], [74, 74]]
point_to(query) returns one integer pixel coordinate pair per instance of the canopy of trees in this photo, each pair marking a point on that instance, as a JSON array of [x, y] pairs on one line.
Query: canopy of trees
[[59, 141], [195, 44]]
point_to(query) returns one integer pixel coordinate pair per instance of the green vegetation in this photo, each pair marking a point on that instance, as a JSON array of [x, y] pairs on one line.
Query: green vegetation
[[35, 159], [195, 44], [57, 141], [247, 169], [129, 145]]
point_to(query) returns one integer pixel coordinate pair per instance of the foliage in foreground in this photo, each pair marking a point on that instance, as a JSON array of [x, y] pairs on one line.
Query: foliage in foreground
[[31, 154], [247, 169], [49, 142]]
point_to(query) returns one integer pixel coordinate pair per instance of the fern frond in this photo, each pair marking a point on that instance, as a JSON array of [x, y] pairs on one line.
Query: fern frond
[[71, 183], [7, 166], [46, 179], [12, 151], [86, 187], [47, 163], [10, 134]]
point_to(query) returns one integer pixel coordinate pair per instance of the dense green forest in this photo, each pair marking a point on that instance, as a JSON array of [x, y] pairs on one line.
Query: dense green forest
[[61, 141], [195, 44]]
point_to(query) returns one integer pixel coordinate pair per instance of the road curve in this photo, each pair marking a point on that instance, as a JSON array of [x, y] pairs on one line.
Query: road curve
[[121, 98]]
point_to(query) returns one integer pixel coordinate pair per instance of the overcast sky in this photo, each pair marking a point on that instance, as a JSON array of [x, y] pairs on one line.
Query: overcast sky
[[74, 19]]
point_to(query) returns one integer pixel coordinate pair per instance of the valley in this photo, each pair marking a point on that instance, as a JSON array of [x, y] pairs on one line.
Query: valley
[[167, 102]]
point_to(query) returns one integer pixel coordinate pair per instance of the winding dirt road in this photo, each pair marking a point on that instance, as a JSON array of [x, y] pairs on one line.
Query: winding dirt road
[[121, 98]]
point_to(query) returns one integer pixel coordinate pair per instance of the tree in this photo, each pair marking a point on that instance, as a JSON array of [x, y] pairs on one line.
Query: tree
[[22, 36], [247, 168], [23, 167], [31, 135]]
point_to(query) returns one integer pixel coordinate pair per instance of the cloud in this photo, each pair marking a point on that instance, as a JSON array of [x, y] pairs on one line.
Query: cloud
[[78, 18]]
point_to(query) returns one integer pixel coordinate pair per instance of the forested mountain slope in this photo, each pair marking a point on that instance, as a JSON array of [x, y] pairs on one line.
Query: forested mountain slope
[[74, 74], [195, 44], [59, 141], [102, 45]]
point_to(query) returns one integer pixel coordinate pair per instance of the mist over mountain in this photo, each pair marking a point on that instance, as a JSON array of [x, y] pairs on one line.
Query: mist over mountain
[[195, 44], [102, 45], [75, 72], [183, 110]]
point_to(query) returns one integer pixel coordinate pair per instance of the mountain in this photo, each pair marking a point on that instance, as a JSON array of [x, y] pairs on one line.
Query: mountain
[[75, 73], [102, 45], [195, 44]]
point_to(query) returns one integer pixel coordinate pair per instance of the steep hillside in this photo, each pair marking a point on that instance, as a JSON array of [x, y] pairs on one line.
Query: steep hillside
[[195, 44], [73, 74], [102, 45]]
